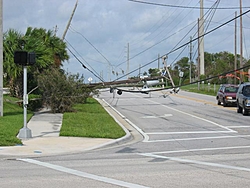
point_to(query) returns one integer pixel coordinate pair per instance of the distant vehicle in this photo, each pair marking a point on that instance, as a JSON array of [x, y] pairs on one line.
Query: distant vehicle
[[243, 98], [227, 94]]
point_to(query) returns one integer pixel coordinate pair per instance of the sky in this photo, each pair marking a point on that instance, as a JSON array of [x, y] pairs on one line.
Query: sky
[[104, 34]]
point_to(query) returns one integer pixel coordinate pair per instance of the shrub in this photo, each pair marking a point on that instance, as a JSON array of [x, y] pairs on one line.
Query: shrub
[[60, 91]]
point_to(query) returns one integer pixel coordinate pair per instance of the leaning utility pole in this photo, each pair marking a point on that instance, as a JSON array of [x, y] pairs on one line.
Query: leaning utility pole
[[1, 58], [71, 17]]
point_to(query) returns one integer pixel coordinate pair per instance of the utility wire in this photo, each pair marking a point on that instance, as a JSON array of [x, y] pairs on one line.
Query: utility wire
[[185, 44], [179, 6], [97, 76], [80, 56], [90, 44]]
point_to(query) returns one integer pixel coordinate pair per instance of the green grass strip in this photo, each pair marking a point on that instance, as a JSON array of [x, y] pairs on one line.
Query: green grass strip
[[90, 120], [11, 122]]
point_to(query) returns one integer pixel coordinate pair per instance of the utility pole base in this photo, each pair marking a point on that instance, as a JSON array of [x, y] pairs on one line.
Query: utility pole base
[[24, 133]]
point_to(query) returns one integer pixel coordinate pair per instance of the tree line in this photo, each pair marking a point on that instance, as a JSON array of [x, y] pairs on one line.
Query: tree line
[[215, 64]]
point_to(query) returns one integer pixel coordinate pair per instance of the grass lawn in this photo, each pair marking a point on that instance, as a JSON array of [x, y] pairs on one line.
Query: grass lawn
[[90, 120], [204, 89], [11, 122]]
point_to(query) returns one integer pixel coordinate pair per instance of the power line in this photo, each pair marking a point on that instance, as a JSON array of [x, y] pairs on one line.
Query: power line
[[187, 43], [90, 44], [85, 66], [179, 6], [80, 56]]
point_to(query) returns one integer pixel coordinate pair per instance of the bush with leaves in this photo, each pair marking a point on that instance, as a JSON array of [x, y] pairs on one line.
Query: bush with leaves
[[61, 91], [50, 51]]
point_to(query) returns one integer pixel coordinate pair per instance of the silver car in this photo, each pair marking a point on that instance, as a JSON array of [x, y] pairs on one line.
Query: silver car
[[243, 98]]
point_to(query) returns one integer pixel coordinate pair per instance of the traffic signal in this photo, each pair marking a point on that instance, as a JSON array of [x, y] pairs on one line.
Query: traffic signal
[[20, 57], [24, 58], [31, 58]]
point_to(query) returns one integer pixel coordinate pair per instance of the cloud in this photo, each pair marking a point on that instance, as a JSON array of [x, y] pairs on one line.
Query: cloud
[[104, 28]]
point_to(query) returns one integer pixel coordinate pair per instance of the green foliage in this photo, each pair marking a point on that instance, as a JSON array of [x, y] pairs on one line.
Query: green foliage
[[49, 49], [35, 102], [154, 72], [11, 122], [203, 89], [61, 91], [90, 120]]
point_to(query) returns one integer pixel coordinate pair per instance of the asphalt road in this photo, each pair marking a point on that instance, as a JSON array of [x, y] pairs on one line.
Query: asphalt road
[[185, 140]]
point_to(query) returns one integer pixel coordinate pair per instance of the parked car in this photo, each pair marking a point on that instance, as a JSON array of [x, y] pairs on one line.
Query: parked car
[[243, 98], [227, 94]]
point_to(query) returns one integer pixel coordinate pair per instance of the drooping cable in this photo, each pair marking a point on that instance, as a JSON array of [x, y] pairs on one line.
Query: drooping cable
[[97, 76], [183, 45], [179, 6]]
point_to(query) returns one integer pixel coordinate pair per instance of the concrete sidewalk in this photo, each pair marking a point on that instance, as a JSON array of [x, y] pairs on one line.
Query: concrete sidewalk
[[45, 128]]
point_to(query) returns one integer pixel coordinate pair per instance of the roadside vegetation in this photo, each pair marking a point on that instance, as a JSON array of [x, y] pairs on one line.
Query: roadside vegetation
[[11, 122], [90, 120], [87, 120], [204, 88]]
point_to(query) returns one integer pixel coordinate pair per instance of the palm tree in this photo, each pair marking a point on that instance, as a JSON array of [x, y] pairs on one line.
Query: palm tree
[[49, 49]]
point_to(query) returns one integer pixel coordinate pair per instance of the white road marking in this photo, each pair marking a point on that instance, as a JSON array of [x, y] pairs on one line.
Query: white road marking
[[149, 117], [233, 127], [196, 162], [200, 138], [83, 174], [145, 136], [191, 115], [202, 149], [193, 132]]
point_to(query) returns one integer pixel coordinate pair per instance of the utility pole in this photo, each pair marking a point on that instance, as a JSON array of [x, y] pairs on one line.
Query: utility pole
[[198, 59], [166, 68], [235, 47], [241, 43], [71, 17], [128, 62], [1, 58], [159, 61], [201, 39], [190, 60]]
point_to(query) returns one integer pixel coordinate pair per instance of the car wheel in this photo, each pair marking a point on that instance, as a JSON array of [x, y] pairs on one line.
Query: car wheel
[[224, 103], [239, 109], [244, 111], [218, 102]]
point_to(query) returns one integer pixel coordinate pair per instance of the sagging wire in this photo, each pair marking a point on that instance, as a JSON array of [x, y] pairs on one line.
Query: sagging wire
[[183, 45]]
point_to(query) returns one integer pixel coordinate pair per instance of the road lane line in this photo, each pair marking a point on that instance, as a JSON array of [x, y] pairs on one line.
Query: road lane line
[[243, 126], [195, 162], [145, 136], [193, 132], [83, 174], [201, 149], [191, 115], [199, 138]]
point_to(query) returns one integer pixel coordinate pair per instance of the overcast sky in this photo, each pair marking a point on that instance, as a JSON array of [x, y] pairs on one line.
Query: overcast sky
[[101, 30]]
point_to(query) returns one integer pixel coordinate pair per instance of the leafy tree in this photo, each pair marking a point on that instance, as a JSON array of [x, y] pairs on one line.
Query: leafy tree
[[50, 51], [184, 66], [61, 91], [153, 72]]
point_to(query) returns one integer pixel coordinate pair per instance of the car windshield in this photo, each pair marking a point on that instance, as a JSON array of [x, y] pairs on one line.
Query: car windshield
[[246, 91], [231, 89]]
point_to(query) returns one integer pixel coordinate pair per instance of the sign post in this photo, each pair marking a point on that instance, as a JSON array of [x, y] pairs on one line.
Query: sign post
[[24, 58], [25, 132]]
